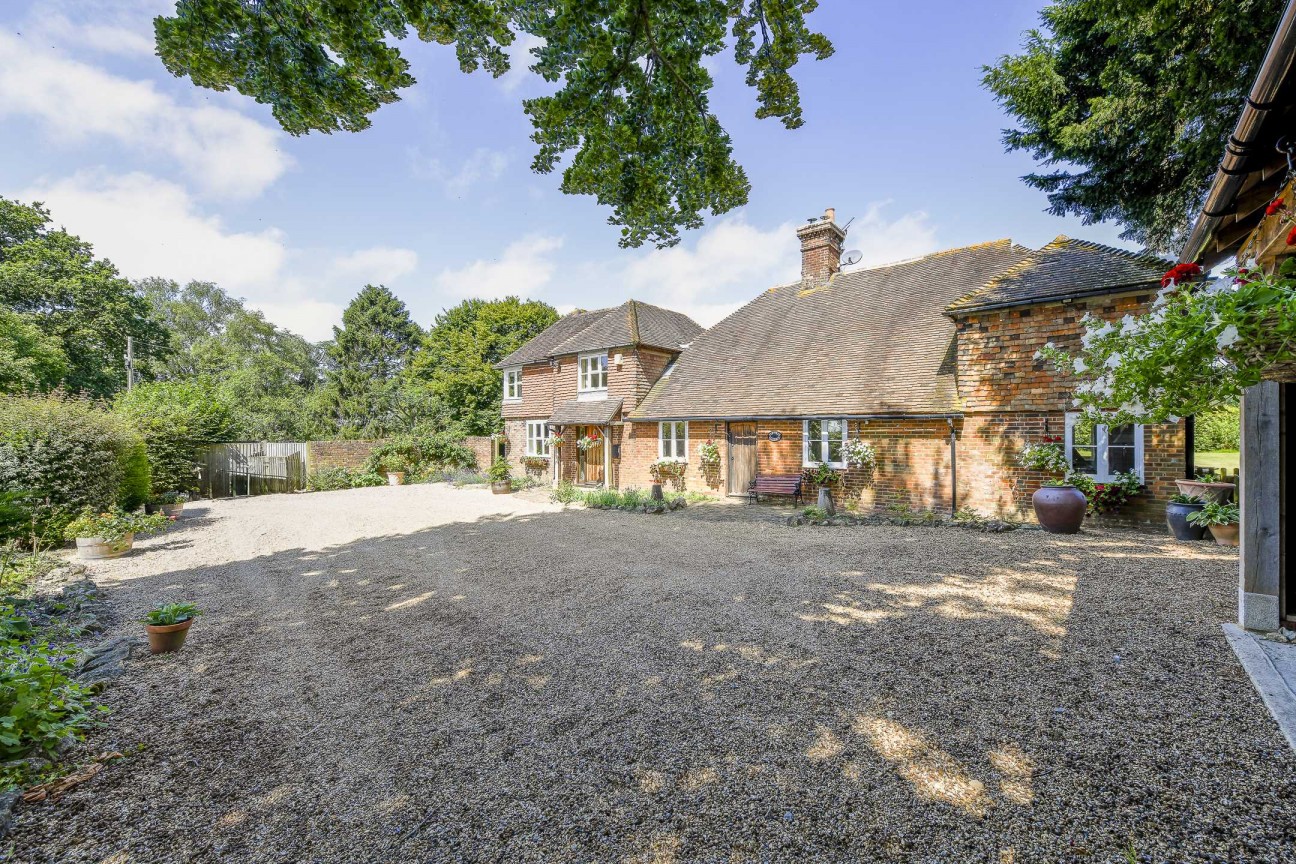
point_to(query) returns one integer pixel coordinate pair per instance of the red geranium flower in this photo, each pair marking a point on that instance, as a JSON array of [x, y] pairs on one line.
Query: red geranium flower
[[1274, 206], [1291, 237], [1181, 273], [1100, 487]]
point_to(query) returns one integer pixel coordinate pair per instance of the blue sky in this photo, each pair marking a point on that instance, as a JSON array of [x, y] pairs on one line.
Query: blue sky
[[437, 201]]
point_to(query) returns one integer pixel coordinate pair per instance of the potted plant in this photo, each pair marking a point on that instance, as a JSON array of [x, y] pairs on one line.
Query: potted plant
[[1178, 512], [1222, 519], [501, 479], [169, 504], [1059, 504], [585, 442], [110, 534], [663, 470], [823, 476], [168, 625], [1205, 490], [859, 454]]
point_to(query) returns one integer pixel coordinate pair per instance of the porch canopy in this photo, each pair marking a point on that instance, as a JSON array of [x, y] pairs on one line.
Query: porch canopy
[[578, 413]]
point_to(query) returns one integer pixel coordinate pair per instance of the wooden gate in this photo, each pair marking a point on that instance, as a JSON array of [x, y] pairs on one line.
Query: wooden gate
[[742, 457], [253, 468]]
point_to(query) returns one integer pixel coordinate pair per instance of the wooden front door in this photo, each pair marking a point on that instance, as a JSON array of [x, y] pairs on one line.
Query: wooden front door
[[589, 463], [742, 457]]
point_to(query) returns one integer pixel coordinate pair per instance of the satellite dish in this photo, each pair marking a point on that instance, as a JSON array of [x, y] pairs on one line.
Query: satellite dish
[[851, 257]]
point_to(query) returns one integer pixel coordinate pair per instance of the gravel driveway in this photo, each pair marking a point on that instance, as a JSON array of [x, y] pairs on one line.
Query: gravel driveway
[[423, 674]]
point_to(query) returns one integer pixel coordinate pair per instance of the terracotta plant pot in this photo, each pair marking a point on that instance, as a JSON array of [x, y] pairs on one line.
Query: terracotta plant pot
[[502, 488], [1221, 493], [1060, 509], [164, 638], [171, 511], [1225, 535], [1177, 518], [395, 478], [98, 549]]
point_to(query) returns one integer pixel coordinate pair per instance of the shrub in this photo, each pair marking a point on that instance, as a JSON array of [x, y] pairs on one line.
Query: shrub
[[330, 479], [40, 702], [1220, 429], [113, 525], [420, 456], [69, 454], [499, 472], [566, 493], [171, 613], [176, 419]]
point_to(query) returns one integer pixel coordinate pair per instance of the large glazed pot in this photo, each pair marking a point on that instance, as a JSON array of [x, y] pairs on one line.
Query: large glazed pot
[[1225, 535], [1221, 493], [99, 549], [1060, 509], [503, 487], [1177, 518]]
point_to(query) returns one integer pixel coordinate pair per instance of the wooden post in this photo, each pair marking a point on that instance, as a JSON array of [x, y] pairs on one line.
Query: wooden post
[[607, 457], [1261, 499]]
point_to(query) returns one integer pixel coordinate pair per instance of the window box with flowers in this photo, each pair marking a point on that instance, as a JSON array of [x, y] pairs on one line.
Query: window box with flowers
[[667, 470]]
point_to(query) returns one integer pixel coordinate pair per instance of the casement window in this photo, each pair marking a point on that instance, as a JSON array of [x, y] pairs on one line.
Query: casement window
[[513, 384], [1102, 451], [593, 373], [537, 438], [672, 440], [823, 441]]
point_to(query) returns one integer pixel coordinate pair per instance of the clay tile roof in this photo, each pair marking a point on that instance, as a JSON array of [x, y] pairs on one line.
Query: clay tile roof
[[1066, 268], [577, 413], [632, 323], [872, 341]]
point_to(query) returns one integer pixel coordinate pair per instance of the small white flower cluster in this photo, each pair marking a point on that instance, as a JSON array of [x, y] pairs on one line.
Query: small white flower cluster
[[859, 454]]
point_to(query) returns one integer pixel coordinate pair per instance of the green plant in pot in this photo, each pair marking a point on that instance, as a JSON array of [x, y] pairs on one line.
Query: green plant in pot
[[1179, 511], [826, 478], [168, 626], [110, 534], [169, 504], [501, 479], [1221, 519]]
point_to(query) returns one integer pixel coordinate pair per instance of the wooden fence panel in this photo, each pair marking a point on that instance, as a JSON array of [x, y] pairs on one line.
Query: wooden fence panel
[[254, 468]]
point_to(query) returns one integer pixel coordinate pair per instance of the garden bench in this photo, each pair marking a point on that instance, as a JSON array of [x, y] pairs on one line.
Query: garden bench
[[775, 484]]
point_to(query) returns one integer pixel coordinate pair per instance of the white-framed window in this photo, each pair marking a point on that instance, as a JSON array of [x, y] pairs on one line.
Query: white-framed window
[[672, 440], [1102, 451], [822, 442], [512, 384], [593, 373], [537, 432]]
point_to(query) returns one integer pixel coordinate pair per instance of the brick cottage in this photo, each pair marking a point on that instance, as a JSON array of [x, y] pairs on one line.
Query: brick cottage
[[932, 361]]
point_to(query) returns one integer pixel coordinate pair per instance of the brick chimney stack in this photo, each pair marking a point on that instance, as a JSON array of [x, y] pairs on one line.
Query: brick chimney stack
[[821, 247]]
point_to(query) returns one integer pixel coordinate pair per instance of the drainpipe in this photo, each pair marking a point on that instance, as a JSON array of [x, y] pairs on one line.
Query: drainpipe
[[953, 467]]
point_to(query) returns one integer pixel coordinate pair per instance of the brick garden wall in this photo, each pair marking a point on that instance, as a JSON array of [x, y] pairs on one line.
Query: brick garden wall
[[338, 454]]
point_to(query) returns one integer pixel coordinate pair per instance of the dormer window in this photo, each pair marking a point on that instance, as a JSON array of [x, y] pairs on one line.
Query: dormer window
[[593, 373], [512, 384]]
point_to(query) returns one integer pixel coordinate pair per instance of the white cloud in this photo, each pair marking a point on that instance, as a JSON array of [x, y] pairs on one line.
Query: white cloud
[[376, 265], [100, 34], [520, 60], [151, 227], [225, 153], [883, 242], [482, 165], [524, 269]]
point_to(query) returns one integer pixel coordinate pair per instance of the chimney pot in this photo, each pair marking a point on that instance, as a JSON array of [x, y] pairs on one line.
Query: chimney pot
[[830, 215]]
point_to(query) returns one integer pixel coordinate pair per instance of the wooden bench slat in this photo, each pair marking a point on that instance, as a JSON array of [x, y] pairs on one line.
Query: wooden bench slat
[[775, 484]]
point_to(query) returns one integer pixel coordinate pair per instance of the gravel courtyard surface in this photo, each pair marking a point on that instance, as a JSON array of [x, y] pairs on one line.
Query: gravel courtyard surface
[[423, 674]]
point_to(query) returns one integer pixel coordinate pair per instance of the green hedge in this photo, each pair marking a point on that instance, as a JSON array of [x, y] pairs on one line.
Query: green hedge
[[1218, 430], [68, 454], [421, 456], [330, 479], [177, 419]]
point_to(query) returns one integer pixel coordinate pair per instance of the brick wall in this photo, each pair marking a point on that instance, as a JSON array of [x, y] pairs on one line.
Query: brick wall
[[640, 449], [338, 454], [482, 448], [537, 393], [997, 368]]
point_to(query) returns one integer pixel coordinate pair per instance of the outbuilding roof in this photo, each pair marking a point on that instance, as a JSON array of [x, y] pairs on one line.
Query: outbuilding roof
[[1065, 268], [865, 342], [633, 323]]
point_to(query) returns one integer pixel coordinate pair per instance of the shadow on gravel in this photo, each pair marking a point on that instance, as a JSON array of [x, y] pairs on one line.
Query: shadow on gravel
[[593, 686]]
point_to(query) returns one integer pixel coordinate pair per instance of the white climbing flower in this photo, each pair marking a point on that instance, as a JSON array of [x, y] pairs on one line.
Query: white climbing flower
[[1227, 337], [1080, 366], [1113, 361]]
